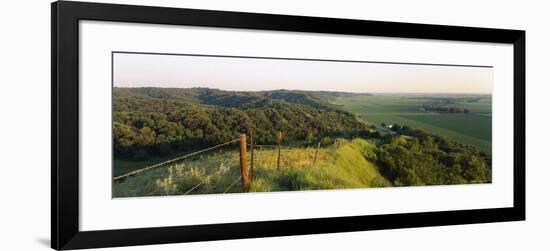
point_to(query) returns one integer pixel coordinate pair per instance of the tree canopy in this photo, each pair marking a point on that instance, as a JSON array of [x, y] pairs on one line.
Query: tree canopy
[[162, 120], [416, 157]]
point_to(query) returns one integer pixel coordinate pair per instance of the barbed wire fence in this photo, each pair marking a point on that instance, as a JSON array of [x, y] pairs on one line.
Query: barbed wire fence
[[246, 172], [245, 175], [173, 160], [206, 180]]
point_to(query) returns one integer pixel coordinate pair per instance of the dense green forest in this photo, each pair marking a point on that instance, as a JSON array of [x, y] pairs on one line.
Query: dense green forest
[[416, 157], [152, 121]]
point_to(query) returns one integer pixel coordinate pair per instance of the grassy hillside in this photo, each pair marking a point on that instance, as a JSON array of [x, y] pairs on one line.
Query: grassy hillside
[[472, 129], [341, 165], [414, 158]]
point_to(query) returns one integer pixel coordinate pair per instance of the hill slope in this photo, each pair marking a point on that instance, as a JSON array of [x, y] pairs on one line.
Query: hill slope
[[163, 120], [341, 166]]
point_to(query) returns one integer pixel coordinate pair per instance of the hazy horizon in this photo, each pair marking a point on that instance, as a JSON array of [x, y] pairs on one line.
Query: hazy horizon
[[259, 74], [378, 93]]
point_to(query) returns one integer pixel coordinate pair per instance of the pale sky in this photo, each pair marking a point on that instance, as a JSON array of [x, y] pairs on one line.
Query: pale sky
[[252, 74]]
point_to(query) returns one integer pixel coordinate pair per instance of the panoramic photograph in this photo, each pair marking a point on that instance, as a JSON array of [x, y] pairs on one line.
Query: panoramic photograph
[[198, 124]]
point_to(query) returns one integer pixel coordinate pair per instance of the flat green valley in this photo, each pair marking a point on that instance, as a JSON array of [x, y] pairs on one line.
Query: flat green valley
[[472, 128]]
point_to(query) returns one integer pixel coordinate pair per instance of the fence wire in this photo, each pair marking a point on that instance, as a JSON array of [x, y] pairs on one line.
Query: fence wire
[[208, 178], [232, 184], [173, 160]]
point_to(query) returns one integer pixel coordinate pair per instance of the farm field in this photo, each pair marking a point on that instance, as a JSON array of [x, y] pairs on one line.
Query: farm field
[[473, 128]]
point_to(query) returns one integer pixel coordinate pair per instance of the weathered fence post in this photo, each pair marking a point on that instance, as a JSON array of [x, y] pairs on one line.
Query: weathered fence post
[[279, 139], [316, 152], [244, 170], [251, 156]]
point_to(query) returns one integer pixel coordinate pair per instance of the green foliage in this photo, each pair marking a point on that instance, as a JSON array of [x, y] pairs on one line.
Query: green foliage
[[159, 121], [441, 108], [151, 125], [411, 159], [418, 158]]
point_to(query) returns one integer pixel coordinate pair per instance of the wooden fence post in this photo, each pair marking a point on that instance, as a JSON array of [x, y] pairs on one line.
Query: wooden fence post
[[279, 139], [316, 152], [251, 176], [244, 170]]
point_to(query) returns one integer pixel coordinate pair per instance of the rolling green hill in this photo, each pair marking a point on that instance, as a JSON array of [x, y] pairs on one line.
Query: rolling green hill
[[151, 125], [153, 121]]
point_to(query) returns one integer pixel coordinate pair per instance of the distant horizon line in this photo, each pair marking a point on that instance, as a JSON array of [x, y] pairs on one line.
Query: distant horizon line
[[198, 87]]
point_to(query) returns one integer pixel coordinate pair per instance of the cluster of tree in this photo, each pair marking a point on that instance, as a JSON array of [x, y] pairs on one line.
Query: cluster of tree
[[158, 121], [444, 109], [416, 157], [454, 99]]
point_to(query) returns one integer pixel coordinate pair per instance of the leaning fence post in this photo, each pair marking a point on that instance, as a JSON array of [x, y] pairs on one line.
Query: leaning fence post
[[279, 139], [316, 152], [244, 169], [251, 176]]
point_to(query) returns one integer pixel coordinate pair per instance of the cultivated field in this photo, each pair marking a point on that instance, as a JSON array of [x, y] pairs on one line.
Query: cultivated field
[[473, 128]]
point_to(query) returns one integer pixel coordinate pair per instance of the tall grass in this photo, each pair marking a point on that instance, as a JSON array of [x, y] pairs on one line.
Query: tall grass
[[345, 164]]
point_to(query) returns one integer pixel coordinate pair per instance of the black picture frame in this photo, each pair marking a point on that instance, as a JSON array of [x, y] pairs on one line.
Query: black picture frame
[[65, 233]]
